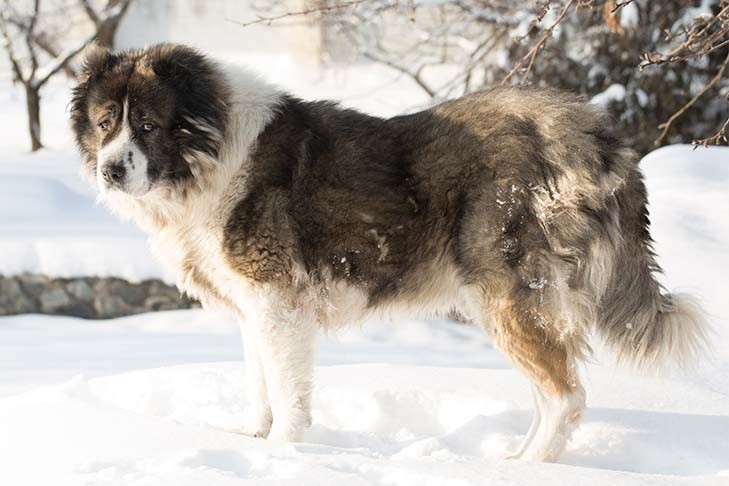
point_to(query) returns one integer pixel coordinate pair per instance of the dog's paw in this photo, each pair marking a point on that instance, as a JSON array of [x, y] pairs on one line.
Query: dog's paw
[[285, 433], [257, 423], [290, 427]]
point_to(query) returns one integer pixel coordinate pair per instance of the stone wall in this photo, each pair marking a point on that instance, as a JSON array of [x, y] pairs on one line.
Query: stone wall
[[88, 297]]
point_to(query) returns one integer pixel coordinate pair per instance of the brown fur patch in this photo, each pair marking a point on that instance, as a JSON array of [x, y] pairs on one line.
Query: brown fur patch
[[533, 346], [263, 251]]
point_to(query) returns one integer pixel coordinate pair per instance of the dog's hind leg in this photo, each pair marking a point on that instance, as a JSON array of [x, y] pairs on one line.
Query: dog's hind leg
[[526, 336]]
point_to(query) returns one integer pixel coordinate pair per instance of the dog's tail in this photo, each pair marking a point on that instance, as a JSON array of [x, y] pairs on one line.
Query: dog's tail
[[667, 330], [644, 325]]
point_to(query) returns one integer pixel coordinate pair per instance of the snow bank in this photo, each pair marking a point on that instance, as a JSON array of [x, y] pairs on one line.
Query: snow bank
[[373, 424], [152, 400]]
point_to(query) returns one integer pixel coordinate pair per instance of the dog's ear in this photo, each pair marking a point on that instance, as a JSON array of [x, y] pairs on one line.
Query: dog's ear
[[96, 59], [178, 62], [201, 96]]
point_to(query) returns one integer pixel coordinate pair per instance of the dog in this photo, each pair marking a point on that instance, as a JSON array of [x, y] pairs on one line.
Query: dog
[[517, 208]]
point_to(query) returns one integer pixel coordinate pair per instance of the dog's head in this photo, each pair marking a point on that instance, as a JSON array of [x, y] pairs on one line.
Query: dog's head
[[142, 118]]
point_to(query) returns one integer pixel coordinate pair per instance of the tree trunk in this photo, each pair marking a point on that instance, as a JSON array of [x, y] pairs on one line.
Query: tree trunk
[[106, 33], [32, 102], [106, 28]]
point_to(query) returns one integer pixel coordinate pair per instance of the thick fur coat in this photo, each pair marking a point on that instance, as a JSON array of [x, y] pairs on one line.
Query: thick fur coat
[[518, 208]]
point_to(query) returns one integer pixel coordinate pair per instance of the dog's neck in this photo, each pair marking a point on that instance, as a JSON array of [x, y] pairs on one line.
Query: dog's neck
[[252, 104]]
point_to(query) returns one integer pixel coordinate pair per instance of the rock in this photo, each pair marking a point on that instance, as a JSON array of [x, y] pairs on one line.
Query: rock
[[80, 289], [87, 297], [132, 294], [34, 285], [81, 309], [13, 299], [157, 287], [54, 299], [109, 306], [160, 302]]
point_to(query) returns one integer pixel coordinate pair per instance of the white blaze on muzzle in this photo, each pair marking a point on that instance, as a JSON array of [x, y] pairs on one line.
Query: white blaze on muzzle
[[121, 165]]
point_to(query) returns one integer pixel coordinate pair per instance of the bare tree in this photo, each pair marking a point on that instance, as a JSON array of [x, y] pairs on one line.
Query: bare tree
[[35, 54], [19, 35], [486, 42], [705, 38], [106, 20], [45, 41]]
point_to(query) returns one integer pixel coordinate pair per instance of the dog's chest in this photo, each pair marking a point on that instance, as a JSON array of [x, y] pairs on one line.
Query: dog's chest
[[196, 255]]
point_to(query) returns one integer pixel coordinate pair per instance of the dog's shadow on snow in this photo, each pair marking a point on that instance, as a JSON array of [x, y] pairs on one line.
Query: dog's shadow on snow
[[617, 439]]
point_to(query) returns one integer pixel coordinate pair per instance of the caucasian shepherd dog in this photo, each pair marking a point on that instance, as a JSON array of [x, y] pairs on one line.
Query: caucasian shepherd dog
[[521, 209]]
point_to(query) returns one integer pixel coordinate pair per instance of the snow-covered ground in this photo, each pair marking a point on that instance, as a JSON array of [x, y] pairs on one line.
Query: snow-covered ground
[[150, 399], [397, 403]]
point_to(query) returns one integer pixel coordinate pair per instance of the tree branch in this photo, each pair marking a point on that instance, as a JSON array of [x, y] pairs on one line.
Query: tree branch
[[321, 9], [45, 44], [90, 12], [29, 39], [62, 61], [721, 135], [415, 76], [42, 41], [619, 5], [534, 51], [17, 70], [665, 126], [114, 10]]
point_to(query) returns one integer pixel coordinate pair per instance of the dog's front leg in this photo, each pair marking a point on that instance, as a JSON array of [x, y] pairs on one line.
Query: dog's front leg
[[258, 417], [287, 334]]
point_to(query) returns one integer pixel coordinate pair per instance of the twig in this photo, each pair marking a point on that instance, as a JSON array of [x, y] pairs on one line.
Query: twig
[[90, 12], [532, 54], [414, 75], [17, 70], [309, 11], [29, 39], [61, 62], [665, 126], [698, 41], [619, 5], [721, 135]]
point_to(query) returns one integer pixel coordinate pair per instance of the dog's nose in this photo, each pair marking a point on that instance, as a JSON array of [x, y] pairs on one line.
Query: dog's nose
[[113, 173]]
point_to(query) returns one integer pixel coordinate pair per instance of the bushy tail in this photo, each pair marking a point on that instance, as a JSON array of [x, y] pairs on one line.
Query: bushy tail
[[670, 330], [646, 326]]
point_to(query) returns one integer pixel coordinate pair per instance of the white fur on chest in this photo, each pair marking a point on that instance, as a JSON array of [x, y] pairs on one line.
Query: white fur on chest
[[190, 239], [195, 253]]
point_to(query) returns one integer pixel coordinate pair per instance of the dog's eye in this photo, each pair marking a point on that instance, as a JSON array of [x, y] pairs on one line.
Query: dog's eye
[[104, 125], [148, 127]]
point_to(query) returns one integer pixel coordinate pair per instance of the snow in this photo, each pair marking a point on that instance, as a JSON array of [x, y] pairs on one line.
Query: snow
[[151, 399], [630, 16], [614, 92], [410, 418]]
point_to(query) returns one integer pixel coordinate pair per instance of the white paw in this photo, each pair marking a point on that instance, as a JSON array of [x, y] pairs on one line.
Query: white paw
[[290, 427], [257, 422], [547, 450], [285, 433]]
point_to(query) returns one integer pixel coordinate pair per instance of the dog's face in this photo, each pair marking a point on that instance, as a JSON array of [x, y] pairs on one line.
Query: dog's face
[[141, 118]]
